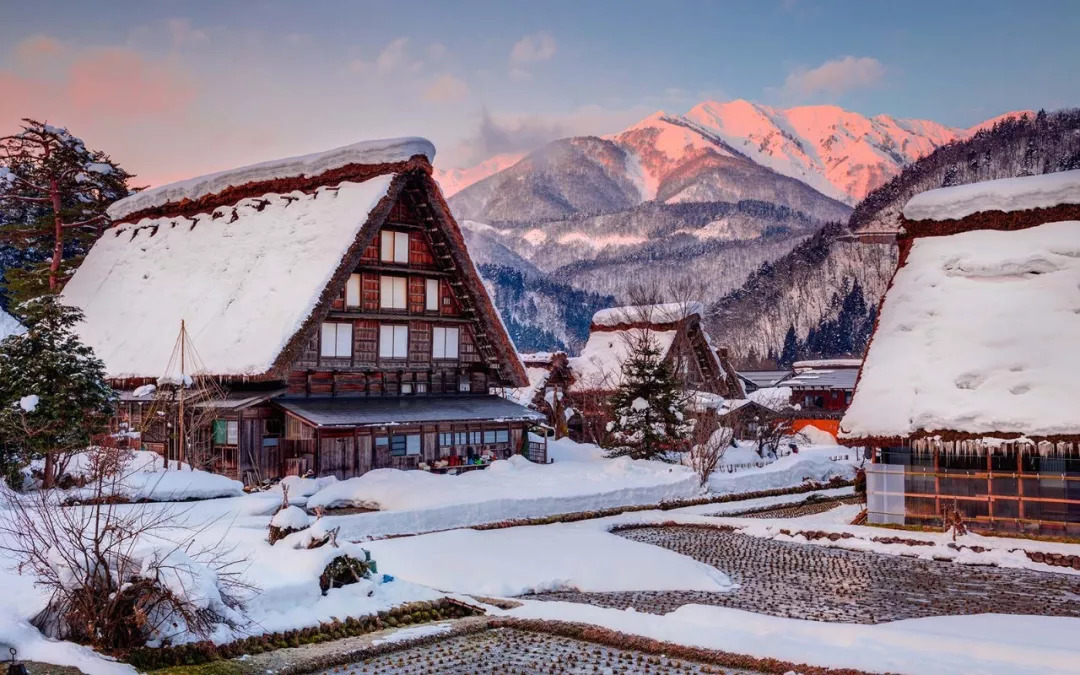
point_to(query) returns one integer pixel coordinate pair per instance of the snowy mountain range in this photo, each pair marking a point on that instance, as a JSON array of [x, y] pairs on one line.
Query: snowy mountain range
[[711, 194]]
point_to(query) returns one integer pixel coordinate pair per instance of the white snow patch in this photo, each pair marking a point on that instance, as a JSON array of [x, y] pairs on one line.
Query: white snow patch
[[29, 403], [519, 560]]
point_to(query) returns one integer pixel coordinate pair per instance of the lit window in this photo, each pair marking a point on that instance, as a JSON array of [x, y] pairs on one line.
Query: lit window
[[352, 291], [395, 247], [393, 342], [392, 292], [420, 387], [464, 384], [432, 295], [406, 388], [232, 432], [444, 343], [336, 340]]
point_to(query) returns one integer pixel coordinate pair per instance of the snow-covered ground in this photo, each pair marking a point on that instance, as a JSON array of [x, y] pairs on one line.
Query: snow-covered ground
[[584, 555], [518, 560], [145, 478], [983, 643]]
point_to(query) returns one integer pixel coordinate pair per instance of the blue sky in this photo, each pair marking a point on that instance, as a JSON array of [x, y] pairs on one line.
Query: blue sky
[[173, 89]]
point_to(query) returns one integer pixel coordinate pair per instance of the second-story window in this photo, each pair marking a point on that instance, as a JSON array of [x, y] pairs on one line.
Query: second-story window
[[336, 340], [432, 295], [395, 247], [352, 291], [392, 292], [444, 343], [393, 342]]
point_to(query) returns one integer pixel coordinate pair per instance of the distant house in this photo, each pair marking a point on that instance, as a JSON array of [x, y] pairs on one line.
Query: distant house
[[332, 296], [969, 393], [674, 328], [752, 380], [547, 392], [821, 391]]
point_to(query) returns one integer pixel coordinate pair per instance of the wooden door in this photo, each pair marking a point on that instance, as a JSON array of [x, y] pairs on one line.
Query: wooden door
[[364, 455]]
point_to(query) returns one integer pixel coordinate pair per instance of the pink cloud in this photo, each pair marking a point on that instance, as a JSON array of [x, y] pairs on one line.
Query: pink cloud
[[836, 76], [121, 82]]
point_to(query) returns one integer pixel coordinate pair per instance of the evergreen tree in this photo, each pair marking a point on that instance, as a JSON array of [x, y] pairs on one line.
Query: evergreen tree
[[790, 353], [53, 395], [53, 195], [648, 405]]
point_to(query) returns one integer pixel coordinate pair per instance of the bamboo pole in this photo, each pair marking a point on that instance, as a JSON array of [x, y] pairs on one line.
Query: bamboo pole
[[183, 339]]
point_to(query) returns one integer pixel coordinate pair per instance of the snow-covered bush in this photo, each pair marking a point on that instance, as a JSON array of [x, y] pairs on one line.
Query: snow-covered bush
[[111, 581], [707, 450], [288, 519]]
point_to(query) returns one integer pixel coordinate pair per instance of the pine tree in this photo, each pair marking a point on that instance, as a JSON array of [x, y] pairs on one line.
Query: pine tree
[[53, 193], [790, 353], [53, 395], [648, 405]]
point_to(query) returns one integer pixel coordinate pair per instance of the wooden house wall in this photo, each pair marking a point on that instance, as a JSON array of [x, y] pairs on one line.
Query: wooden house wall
[[364, 372]]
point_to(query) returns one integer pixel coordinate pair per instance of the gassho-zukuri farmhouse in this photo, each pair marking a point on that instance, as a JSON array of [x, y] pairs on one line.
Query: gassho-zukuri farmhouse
[[970, 391], [330, 295]]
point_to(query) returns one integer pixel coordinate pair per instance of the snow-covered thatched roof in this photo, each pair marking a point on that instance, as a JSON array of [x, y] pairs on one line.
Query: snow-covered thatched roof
[[1007, 195], [253, 267], [977, 336], [244, 286], [599, 366], [671, 312], [366, 153]]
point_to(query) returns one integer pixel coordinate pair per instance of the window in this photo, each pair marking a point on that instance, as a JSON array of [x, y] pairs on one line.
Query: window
[[474, 437], [232, 432], [397, 446], [502, 436], [336, 340], [392, 292], [406, 388], [395, 247], [464, 384], [403, 445], [420, 387], [381, 441], [446, 439], [459, 438], [432, 295], [393, 342], [489, 437], [352, 291], [444, 343]]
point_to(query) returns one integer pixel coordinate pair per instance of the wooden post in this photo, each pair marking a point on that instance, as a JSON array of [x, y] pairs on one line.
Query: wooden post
[[180, 454]]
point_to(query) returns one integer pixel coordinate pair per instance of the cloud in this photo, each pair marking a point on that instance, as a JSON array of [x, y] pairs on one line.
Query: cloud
[[835, 77], [436, 51], [496, 135], [393, 56], [446, 89], [37, 47], [92, 82], [533, 48]]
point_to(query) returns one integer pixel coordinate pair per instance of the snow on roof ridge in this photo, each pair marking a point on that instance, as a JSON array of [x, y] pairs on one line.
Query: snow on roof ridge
[[826, 363], [660, 313], [381, 151], [1005, 194]]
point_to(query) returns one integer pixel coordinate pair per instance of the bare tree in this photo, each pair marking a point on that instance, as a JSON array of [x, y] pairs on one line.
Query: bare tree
[[119, 575], [709, 443]]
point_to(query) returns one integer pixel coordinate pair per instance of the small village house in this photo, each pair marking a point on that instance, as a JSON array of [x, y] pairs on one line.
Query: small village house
[[969, 396], [547, 392], [331, 299], [674, 328], [752, 380], [821, 390]]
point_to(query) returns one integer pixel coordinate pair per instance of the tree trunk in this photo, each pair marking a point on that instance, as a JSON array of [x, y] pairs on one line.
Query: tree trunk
[[58, 245], [50, 460]]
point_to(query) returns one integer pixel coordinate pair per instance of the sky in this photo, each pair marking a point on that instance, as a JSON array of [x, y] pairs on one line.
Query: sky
[[176, 89]]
